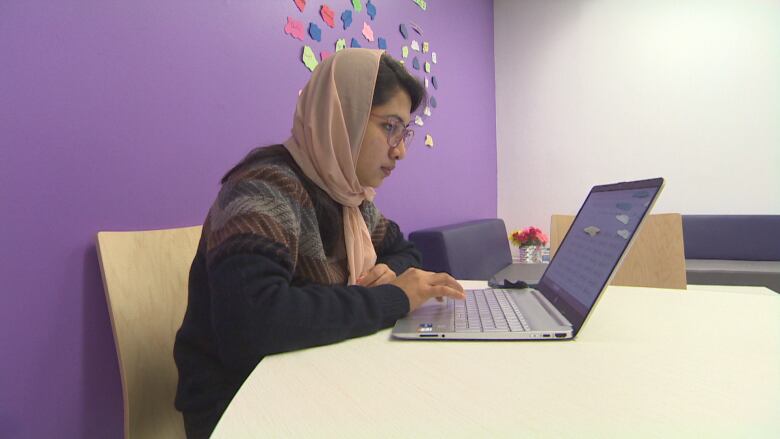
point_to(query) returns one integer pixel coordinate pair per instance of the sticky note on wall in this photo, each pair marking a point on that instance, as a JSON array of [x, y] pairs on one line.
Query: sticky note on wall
[[370, 9], [327, 15], [346, 18], [309, 59], [294, 28], [368, 32]]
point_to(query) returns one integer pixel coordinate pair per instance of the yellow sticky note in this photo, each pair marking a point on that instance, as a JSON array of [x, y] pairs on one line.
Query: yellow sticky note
[[309, 58], [405, 51], [418, 121], [427, 67], [341, 43], [425, 47], [428, 141]]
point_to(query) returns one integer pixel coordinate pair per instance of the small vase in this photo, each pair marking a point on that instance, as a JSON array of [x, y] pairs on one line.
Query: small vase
[[530, 254]]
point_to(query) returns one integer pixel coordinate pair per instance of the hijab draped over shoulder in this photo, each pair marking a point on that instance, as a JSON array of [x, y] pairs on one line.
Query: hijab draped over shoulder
[[328, 128]]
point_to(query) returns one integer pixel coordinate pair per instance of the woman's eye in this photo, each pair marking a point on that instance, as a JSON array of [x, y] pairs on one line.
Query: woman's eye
[[389, 127]]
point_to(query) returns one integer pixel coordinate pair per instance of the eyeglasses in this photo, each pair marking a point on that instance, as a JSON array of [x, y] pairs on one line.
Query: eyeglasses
[[396, 130]]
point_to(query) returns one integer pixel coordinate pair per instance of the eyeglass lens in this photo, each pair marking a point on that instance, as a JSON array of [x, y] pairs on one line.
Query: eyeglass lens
[[400, 132]]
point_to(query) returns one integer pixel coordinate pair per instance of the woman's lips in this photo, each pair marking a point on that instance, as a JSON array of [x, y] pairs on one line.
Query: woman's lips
[[387, 171]]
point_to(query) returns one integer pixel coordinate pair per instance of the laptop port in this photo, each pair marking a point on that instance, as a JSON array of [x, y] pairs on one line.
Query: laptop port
[[429, 335], [560, 334], [546, 335]]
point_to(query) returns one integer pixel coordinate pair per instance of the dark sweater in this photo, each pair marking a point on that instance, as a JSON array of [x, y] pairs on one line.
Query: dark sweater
[[270, 276]]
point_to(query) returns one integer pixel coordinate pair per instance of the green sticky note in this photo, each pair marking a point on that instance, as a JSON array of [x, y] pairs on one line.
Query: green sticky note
[[358, 5], [309, 58], [405, 51], [420, 3], [427, 67], [340, 44]]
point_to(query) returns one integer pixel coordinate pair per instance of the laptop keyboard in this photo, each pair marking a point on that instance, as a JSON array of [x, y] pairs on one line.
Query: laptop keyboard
[[488, 311]]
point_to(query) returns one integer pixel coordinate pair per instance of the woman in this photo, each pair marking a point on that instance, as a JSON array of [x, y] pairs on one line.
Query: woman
[[294, 253]]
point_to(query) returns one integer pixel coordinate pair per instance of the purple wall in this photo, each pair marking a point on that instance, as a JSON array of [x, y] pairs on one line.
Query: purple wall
[[124, 115]]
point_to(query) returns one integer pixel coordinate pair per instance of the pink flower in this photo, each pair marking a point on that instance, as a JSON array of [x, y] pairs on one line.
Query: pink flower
[[529, 236]]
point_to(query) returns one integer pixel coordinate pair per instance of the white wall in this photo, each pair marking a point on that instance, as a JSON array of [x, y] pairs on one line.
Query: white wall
[[599, 91]]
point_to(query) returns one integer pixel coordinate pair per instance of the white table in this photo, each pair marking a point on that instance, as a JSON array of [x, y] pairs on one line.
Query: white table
[[648, 363]]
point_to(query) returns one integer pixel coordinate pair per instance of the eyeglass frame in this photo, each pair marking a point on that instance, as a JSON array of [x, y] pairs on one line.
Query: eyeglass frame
[[406, 130]]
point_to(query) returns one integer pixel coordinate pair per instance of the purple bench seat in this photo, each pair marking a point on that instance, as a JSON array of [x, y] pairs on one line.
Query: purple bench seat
[[473, 250], [732, 250]]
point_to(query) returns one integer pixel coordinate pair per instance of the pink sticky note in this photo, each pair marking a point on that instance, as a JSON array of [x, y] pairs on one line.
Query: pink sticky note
[[324, 54], [294, 28], [368, 32], [327, 15], [300, 4]]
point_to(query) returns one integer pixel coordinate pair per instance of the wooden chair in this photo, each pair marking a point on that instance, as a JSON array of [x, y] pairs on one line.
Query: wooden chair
[[145, 277], [656, 259]]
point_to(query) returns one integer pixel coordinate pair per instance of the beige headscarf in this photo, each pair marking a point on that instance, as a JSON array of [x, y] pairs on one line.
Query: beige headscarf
[[328, 128]]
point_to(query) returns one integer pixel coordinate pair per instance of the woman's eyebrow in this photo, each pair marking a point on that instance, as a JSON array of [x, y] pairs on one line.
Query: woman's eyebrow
[[399, 118]]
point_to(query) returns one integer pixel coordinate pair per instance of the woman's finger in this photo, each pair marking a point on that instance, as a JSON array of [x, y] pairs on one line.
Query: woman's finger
[[372, 276], [447, 280], [441, 290], [386, 276]]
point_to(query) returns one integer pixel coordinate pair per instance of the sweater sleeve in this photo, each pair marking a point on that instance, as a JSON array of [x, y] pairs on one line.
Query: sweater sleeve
[[256, 311], [252, 250]]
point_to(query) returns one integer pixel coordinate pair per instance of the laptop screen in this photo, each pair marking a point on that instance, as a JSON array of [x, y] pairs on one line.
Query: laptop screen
[[594, 245]]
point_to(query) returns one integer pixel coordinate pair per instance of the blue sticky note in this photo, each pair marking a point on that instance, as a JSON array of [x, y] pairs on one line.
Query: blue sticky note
[[371, 10], [382, 43], [416, 63], [403, 30], [314, 32], [354, 43], [623, 206], [434, 82], [346, 18], [433, 102], [641, 194]]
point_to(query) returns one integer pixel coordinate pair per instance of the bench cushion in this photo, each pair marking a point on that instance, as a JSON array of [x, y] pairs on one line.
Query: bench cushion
[[473, 250], [732, 237]]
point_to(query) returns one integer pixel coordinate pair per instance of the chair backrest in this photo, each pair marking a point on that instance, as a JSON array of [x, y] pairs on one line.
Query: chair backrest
[[656, 258], [473, 250], [732, 237], [145, 277]]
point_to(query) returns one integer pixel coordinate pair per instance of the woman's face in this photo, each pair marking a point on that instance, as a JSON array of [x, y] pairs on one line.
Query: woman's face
[[377, 158]]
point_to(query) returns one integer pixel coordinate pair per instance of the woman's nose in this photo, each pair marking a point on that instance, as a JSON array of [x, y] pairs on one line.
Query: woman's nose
[[399, 151]]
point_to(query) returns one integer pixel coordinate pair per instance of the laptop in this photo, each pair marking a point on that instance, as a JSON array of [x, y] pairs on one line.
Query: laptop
[[557, 307], [518, 274]]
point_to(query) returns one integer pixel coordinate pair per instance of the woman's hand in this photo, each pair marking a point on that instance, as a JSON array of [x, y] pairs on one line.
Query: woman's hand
[[420, 286], [379, 274]]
